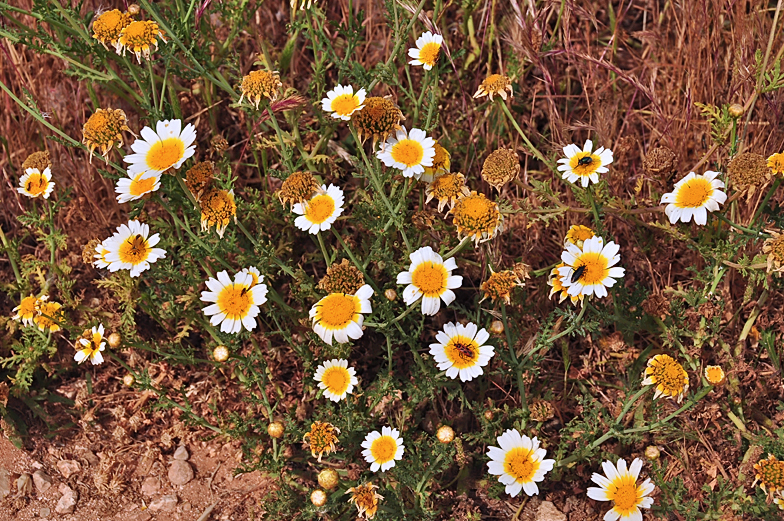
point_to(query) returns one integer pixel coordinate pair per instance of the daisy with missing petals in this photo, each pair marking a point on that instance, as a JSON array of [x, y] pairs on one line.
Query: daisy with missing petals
[[340, 316], [91, 346], [255, 275], [430, 278], [36, 184], [26, 310], [428, 47], [159, 150], [108, 26], [776, 164], [366, 499], [557, 287], [409, 152], [590, 270], [321, 211], [477, 217], [460, 350], [141, 37], [49, 316], [322, 439], [584, 164], [131, 249], [217, 209], [519, 463], [135, 187], [236, 303], [620, 486], [342, 102], [495, 84], [447, 189], [336, 378], [669, 377], [383, 449], [100, 256], [694, 195], [104, 130]]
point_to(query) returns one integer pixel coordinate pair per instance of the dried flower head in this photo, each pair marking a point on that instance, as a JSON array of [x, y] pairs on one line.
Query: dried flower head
[[219, 144], [500, 286], [260, 84], [318, 497], [774, 248], [668, 376], [199, 178], [477, 217], [322, 438], [500, 167], [379, 118], [366, 499], [276, 430], [656, 305], [447, 189], [522, 270], [103, 130], [770, 474], [423, 220], [328, 479], [342, 278], [541, 410], [299, 187], [495, 84], [445, 434], [748, 171], [141, 37], [108, 26], [38, 160], [89, 251], [217, 209], [660, 160], [220, 353]]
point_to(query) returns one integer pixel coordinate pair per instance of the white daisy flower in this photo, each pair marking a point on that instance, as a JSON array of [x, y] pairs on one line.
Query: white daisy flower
[[236, 303], [91, 348], [590, 270], [336, 378], [157, 152], [342, 102], [519, 463], [584, 164], [460, 350], [430, 278], [409, 152], [694, 195], [321, 211], [340, 316], [428, 47], [131, 249], [100, 256], [383, 448], [35, 184], [620, 486], [254, 273], [134, 187]]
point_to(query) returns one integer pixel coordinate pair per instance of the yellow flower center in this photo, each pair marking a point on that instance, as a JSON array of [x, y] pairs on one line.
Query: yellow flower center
[[218, 207], [428, 54], [476, 215], [104, 127], [519, 464], [430, 278], [366, 500], [94, 346], [462, 352], [261, 83], [383, 449], [141, 186], [320, 208], [345, 104], [771, 473], [27, 308], [36, 184], [581, 166], [408, 152], [336, 379], [165, 153], [134, 250], [107, 27], [624, 495], [298, 187], [495, 83], [322, 438], [595, 268], [578, 233], [694, 193], [49, 309], [714, 374], [776, 163], [140, 35], [337, 310], [668, 375], [235, 301]]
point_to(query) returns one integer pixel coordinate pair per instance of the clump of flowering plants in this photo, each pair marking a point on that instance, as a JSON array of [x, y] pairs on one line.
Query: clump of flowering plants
[[330, 252]]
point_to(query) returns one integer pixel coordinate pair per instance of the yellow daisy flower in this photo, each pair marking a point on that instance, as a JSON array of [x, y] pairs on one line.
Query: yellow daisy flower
[[217, 209], [714, 374], [135, 187], [519, 463], [341, 102], [103, 129], [500, 286], [26, 310], [620, 486], [430, 278], [340, 316], [336, 378], [91, 347], [409, 152], [477, 217], [428, 48], [447, 189], [49, 315], [557, 288], [669, 377], [235, 302], [590, 270], [260, 84], [441, 164], [383, 448], [694, 195], [366, 499], [168, 146], [108, 26], [130, 248], [584, 165], [322, 438], [320, 212], [36, 184], [578, 234], [776, 163], [495, 84], [141, 37]]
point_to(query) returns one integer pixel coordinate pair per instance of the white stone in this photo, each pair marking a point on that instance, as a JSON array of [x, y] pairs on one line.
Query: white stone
[[42, 481], [548, 512], [181, 453], [68, 467], [151, 486], [180, 472], [67, 502], [165, 503]]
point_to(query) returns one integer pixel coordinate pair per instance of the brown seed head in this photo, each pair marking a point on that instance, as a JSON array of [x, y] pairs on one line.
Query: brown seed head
[[276, 430], [299, 187], [660, 160], [103, 130], [500, 167], [199, 177], [748, 170], [774, 247], [260, 84], [378, 119], [342, 278], [541, 410], [219, 144], [88, 252], [366, 499], [38, 160], [447, 189]]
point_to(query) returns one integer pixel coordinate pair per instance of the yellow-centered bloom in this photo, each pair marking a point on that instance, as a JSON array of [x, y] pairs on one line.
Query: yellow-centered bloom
[[341, 102], [518, 462], [441, 164], [557, 288], [168, 146], [35, 183], [776, 163], [620, 486], [260, 84], [340, 316], [103, 129], [427, 50], [409, 152], [714, 374], [669, 377], [130, 248], [460, 350], [321, 211], [694, 195], [235, 303], [108, 26], [477, 217], [430, 278], [336, 378], [447, 189], [366, 499], [584, 165], [26, 310], [91, 347], [141, 38], [217, 209], [322, 438], [383, 448], [137, 186], [49, 316], [590, 270]]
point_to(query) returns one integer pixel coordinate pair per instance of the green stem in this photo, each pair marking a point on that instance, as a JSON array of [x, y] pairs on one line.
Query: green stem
[[7, 249], [323, 249], [594, 209], [764, 202], [688, 405], [631, 402], [256, 245], [152, 83], [748, 231], [398, 44], [284, 151], [457, 249], [530, 145], [397, 319], [517, 368], [354, 260], [572, 326]]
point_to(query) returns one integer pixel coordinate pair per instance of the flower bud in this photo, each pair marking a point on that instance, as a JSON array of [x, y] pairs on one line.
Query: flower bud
[[328, 479], [489, 415], [318, 497], [114, 340], [220, 353], [390, 294], [736, 110], [276, 430], [497, 327], [445, 434], [133, 9], [129, 380], [652, 452]]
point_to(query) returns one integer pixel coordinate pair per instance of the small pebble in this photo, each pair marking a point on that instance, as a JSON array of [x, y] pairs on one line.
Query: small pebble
[[180, 472], [42, 481], [67, 502], [68, 467], [24, 484], [181, 453], [164, 503]]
